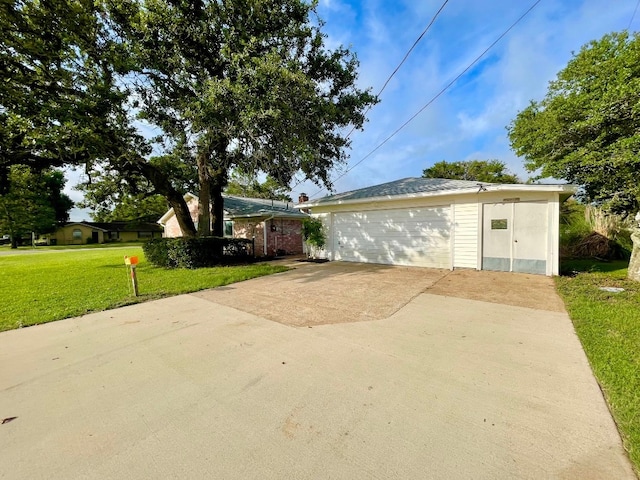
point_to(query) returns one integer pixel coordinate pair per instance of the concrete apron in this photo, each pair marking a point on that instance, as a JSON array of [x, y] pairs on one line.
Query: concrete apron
[[187, 388]]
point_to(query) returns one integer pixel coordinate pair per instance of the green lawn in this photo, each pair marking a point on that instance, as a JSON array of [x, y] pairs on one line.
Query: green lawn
[[43, 287], [608, 325]]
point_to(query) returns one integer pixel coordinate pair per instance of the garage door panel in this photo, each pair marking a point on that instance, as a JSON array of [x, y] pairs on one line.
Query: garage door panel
[[417, 237]]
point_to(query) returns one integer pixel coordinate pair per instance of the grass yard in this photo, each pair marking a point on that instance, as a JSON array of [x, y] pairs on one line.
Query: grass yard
[[43, 287], [608, 325]]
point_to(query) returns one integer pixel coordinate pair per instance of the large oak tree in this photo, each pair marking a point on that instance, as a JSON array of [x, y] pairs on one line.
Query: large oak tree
[[242, 84], [225, 84]]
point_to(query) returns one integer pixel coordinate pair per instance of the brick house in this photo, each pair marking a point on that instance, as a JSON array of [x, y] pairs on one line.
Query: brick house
[[275, 226]]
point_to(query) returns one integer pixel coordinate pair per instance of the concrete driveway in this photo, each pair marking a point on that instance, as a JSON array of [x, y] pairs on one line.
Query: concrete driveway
[[188, 387]]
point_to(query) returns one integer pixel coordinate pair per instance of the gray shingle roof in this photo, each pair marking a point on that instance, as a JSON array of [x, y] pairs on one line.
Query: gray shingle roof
[[404, 186], [239, 207]]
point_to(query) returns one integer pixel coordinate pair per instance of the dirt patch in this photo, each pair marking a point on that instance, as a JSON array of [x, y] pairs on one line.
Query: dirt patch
[[518, 289], [334, 292]]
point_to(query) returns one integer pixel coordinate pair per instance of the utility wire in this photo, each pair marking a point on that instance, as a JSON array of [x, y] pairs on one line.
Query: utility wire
[[634, 15], [404, 59], [433, 99], [424, 32]]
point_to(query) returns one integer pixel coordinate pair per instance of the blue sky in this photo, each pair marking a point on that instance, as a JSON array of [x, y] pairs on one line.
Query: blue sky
[[468, 121]]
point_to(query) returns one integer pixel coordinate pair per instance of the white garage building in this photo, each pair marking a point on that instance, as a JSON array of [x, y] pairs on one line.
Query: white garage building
[[445, 224]]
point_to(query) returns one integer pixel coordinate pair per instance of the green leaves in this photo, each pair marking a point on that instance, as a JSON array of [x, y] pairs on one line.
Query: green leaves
[[34, 202], [491, 171], [587, 128]]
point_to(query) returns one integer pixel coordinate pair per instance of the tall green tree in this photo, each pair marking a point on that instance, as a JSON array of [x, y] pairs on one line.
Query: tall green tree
[[247, 85], [64, 95], [586, 129], [34, 202], [491, 171], [58, 98]]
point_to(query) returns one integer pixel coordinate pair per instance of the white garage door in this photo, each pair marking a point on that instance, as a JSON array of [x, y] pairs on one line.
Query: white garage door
[[413, 237]]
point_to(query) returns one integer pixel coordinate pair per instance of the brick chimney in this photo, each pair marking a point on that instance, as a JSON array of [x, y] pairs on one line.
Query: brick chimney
[[302, 198]]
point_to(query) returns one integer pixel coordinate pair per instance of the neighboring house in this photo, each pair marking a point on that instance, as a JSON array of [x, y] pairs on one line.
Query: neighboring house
[[75, 233], [446, 224], [275, 226]]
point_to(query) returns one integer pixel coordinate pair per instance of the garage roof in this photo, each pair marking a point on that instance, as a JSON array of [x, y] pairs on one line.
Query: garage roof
[[420, 187]]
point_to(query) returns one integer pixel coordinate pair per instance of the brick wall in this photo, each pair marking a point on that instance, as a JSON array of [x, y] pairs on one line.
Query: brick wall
[[287, 235]]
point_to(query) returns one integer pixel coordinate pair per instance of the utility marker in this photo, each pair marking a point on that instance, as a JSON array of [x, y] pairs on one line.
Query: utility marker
[[131, 263]]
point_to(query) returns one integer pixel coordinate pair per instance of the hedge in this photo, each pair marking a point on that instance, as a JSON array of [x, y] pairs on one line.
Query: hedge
[[197, 252]]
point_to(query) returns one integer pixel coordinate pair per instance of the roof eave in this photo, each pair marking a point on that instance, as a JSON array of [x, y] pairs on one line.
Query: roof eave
[[486, 188]]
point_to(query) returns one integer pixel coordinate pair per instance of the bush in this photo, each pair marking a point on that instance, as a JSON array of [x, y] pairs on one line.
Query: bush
[[157, 251], [587, 232], [197, 252], [313, 233]]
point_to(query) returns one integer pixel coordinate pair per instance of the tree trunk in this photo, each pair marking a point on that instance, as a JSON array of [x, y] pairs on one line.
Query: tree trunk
[[204, 196], [218, 182], [14, 241], [182, 213], [163, 186], [633, 272]]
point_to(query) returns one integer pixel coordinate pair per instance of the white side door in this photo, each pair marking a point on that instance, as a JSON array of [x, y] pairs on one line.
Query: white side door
[[515, 237]]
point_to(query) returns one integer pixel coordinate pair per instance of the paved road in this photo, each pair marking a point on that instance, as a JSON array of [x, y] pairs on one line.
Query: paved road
[[189, 388]]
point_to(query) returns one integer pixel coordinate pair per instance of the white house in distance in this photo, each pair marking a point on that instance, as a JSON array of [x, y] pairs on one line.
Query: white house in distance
[[443, 223]]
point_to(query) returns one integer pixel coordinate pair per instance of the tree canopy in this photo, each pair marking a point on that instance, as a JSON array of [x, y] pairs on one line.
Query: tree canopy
[[247, 85], [34, 202], [59, 104], [587, 128], [491, 171], [245, 185], [220, 84]]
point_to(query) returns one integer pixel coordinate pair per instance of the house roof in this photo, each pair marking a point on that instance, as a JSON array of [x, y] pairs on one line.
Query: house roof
[[120, 226], [243, 207], [413, 187]]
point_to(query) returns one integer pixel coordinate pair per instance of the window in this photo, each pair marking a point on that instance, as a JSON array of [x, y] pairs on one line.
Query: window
[[228, 228], [114, 235], [145, 234], [77, 234]]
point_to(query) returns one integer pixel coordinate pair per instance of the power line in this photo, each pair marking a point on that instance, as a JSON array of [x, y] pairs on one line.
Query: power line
[[404, 59], [433, 99], [634, 15]]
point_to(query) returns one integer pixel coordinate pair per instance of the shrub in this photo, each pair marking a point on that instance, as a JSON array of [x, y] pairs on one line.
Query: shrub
[[197, 252], [313, 233], [157, 251], [587, 231]]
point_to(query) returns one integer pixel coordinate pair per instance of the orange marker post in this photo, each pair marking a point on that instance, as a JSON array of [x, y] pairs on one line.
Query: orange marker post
[[131, 263]]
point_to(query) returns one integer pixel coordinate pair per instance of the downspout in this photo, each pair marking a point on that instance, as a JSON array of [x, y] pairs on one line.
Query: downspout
[[264, 231]]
